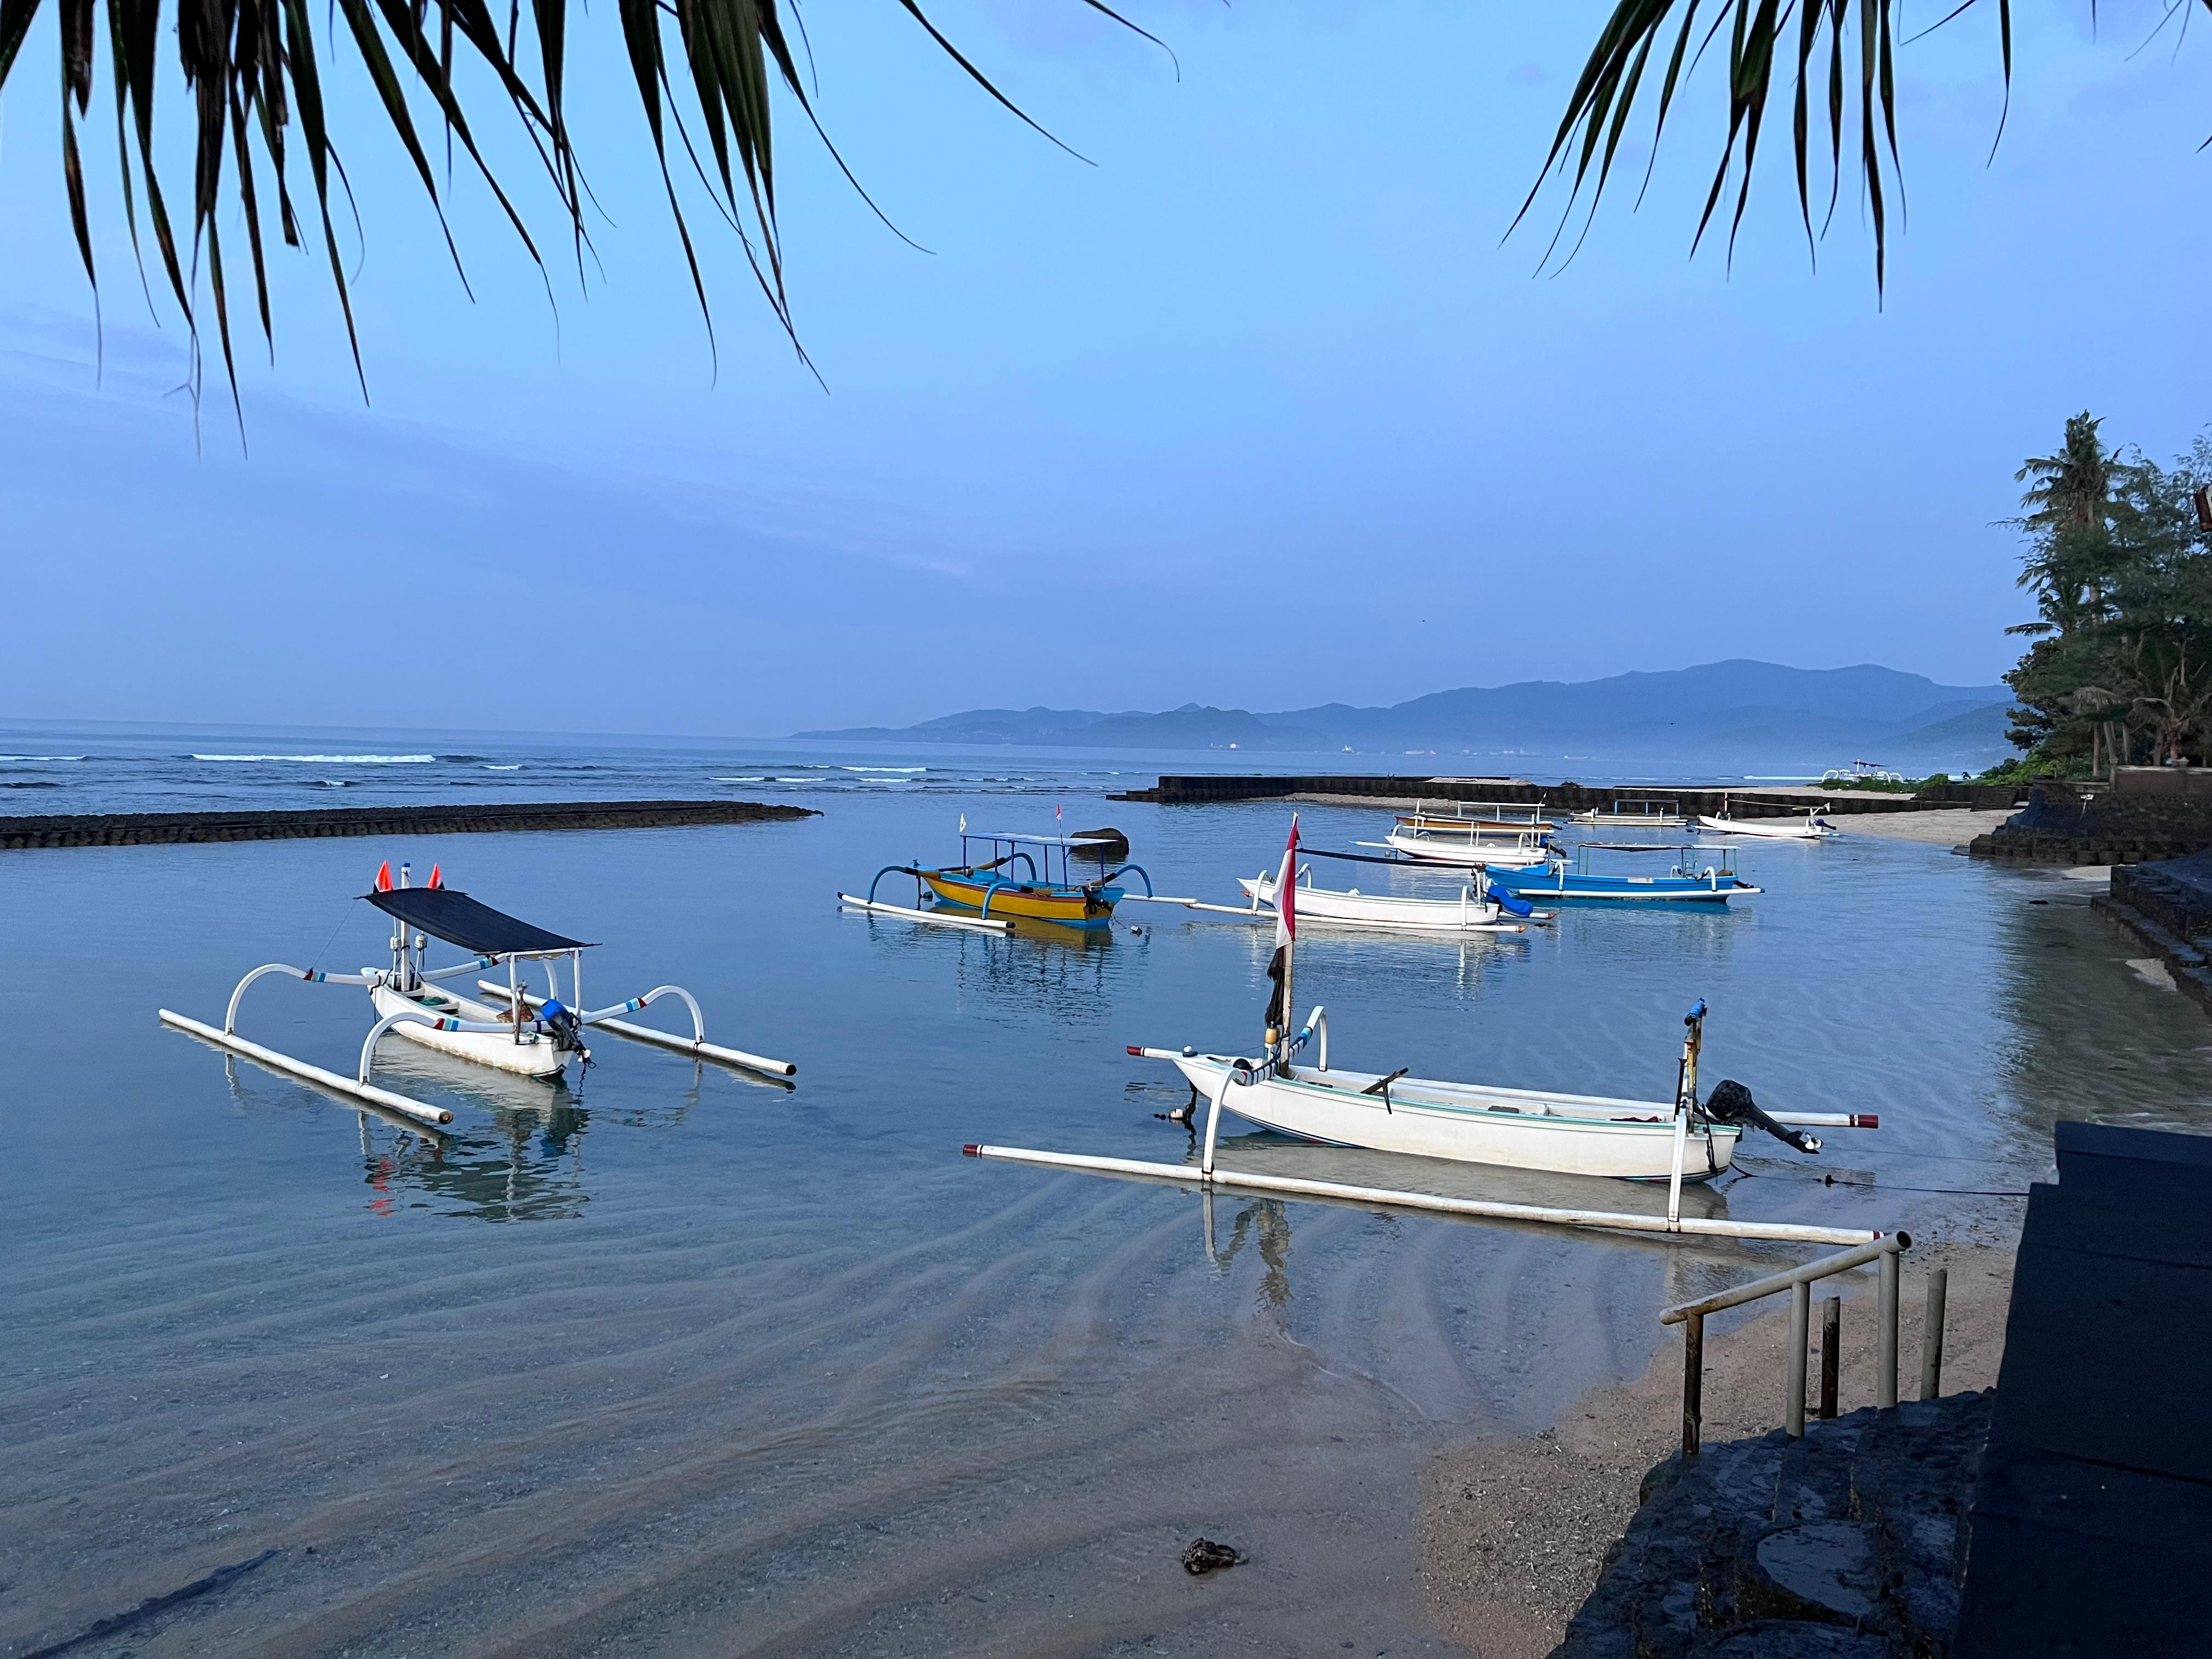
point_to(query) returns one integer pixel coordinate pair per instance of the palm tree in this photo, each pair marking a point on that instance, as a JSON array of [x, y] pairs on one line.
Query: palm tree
[[2068, 523], [2073, 490]]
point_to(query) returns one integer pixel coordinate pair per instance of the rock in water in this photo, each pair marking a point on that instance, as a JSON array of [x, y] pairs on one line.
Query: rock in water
[[1204, 1555]]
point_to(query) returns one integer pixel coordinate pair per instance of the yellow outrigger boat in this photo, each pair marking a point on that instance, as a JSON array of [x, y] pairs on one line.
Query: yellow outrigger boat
[[992, 891]]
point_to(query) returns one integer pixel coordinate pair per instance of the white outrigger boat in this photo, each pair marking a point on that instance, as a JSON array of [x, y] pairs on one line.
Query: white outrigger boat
[[532, 1036], [1435, 838], [1470, 913], [1811, 826], [1686, 1139], [1636, 812]]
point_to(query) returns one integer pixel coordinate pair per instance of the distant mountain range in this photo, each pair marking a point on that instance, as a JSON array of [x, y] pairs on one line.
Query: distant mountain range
[[1720, 709]]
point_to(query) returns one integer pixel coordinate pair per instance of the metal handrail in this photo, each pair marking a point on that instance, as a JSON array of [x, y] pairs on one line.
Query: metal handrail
[[1799, 1282]]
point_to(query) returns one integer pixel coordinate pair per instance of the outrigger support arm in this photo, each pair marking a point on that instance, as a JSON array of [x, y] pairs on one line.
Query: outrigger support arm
[[695, 1045], [405, 1017], [1125, 869], [890, 870], [1230, 1074], [698, 1022], [454, 972], [230, 1015]]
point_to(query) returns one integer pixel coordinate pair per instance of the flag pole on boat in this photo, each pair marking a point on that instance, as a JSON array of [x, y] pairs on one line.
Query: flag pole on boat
[[1282, 966]]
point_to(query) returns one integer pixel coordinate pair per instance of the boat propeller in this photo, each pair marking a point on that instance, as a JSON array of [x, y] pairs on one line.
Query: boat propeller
[[1731, 1102]]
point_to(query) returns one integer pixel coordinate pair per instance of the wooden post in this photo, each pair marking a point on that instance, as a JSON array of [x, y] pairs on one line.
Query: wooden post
[[1693, 1383], [1801, 1318], [1884, 1367], [1831, 1334], [1931, 1335]]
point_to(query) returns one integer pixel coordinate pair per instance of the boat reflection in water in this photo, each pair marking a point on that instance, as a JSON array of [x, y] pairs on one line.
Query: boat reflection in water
[[1267, 1222], [524, 1166], [518, 1157]]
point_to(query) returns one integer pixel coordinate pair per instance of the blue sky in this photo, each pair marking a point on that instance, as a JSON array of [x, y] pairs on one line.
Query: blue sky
[[1254, 408]]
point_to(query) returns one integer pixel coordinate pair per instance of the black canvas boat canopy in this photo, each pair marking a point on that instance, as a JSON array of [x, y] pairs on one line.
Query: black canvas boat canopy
[[448, 913]]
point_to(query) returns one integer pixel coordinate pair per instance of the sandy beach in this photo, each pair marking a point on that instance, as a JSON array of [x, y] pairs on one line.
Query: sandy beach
[[1512, 1533], [1950, 829]]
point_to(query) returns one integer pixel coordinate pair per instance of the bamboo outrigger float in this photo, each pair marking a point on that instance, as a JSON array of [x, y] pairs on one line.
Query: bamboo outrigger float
[[1689, 1140], [532, 1035]]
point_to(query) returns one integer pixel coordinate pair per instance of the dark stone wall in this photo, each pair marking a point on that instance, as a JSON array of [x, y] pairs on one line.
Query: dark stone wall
[[2073, 824], [168, 829], [2168, 908], [1204, 789]]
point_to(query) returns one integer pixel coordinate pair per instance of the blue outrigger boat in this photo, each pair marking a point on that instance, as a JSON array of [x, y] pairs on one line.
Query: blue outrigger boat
[[1554, 883]]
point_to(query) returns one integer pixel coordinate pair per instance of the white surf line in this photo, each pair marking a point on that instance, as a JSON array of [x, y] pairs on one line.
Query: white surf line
[[415, 1110], [1486, 1209]]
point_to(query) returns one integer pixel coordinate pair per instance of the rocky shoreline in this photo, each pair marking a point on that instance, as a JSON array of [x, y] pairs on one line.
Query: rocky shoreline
[[1513, 1533]]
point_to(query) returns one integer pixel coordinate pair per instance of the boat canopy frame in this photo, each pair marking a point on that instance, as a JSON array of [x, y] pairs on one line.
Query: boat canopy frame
[[453, 917]]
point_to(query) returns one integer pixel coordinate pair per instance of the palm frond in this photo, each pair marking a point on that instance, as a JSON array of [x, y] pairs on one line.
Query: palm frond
[[1810, 46], [254, 72]]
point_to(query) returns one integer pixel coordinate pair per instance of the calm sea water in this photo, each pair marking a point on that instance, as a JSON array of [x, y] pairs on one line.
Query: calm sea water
[[687, 1361]]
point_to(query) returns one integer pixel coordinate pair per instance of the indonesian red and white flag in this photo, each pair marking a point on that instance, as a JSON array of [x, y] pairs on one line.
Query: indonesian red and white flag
[[1286, 887]]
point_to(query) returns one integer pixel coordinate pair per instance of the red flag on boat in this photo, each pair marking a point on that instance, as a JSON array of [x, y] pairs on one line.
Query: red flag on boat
[[437, 880], [384, 877]]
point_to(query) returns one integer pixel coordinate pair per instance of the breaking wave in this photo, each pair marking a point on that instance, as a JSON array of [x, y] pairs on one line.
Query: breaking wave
[[333, 760]]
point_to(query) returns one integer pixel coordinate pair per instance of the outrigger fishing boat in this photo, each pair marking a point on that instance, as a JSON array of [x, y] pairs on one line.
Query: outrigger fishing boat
[[1635, 812], [1689, 1138], [1496, 834], [1584, 1134], [1472, 912], [534, 1037], [1686, 883], [993, 893], [1810, 826]]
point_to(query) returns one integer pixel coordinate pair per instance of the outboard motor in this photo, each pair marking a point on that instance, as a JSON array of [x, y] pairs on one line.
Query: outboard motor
[[1512, 904], [1731, 1102], [561, 1023]]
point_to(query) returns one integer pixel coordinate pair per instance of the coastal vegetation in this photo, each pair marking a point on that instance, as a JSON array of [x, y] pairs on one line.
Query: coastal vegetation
[[2119, 560]]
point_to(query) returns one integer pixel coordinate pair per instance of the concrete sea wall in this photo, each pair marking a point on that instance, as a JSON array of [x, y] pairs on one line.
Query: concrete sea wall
[[166, 829]]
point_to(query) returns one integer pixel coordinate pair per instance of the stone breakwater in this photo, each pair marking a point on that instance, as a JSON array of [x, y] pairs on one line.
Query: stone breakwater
[[172, 829], [1849, 1543], [1365, 789], [2168, 907], [2079, 824]]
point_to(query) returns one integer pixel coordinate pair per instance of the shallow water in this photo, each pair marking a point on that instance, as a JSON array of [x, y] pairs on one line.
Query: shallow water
[[688, 1361]]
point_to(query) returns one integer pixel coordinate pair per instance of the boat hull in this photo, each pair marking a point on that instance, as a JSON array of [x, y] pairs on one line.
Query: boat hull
[[535, 1055], [1556, 886], [1770, 830], [1436, 849], [1468, 1123], [1073, 907], [1386, 911]]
